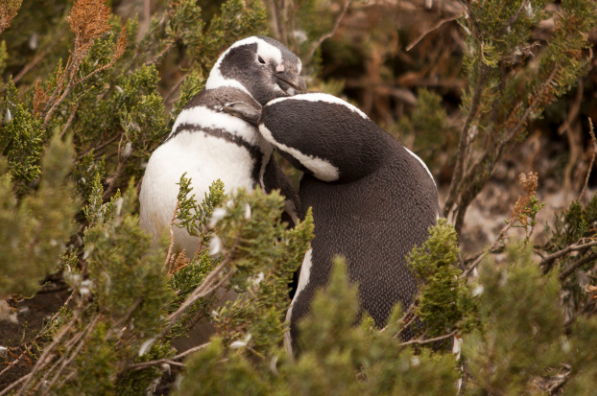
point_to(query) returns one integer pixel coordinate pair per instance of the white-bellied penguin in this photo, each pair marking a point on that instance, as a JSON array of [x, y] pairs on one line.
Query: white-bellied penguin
[[373, 200], [209, 144]]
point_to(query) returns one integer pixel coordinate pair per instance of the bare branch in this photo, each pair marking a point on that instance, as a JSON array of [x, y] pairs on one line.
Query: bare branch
[[151, 363], [576, 265], [592, 132], [464, 140], [329, 34], [189, 351], [430, 340], [547, 261], [422, 36], [14, 384], [45, 358], [480, 173], [171, 228], [70, 120], [493, 246]]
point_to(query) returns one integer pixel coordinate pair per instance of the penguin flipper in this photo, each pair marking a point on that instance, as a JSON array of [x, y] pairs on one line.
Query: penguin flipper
[[244, 111]]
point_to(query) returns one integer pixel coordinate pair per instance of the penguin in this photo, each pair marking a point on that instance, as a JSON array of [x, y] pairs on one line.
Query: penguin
[[372, 199], [209, 144]]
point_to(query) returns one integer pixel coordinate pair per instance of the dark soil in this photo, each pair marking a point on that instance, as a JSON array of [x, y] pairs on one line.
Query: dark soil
[[31, 315]]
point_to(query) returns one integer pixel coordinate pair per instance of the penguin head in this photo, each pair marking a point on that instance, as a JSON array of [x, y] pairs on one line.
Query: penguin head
[[260, 66]]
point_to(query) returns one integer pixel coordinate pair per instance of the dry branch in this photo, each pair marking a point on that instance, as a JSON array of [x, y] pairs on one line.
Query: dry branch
[[429, 340], [331, 33], [592, 132]]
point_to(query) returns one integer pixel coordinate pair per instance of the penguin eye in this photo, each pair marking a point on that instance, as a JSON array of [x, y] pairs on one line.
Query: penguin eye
[[260, 59]]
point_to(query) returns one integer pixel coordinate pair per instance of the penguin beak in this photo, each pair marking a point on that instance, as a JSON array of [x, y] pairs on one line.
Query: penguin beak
[[291, 82]]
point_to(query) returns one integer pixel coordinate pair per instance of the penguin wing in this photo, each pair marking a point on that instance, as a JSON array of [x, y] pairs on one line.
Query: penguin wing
[[275, 178], [325, 136]]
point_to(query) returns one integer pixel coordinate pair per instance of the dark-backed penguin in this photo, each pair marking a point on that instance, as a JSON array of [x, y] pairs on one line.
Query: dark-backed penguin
[[373, 200], [209, 144]]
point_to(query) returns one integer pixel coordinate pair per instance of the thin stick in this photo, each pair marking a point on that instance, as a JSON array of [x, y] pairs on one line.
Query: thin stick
[[572, 248], [116, 174], [576, 265], [474, 265], [86, 333], [44, 358], [14, 362], [422, 36], [592, 132], [14, 384], [464, 140], [329, 34], [70, 119], [430, 340], [174, 88], [169, 255], [189, 351], [141, 366], [489, 160]]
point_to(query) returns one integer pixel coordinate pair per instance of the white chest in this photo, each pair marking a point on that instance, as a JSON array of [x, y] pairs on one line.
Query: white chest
[[204, 158]]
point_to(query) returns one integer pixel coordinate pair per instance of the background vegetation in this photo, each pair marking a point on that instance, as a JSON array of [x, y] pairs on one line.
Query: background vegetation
[[496, 96]]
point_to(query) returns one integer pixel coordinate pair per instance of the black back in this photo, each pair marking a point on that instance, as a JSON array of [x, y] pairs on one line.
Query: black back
[[379, 208]]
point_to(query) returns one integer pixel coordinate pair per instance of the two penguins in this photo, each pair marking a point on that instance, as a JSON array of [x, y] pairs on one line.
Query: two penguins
[[372, 199]]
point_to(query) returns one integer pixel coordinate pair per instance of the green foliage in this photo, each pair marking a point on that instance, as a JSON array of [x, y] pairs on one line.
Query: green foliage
[[35, 230], [338, 358], [428, 123], [22, 144], [267, 256], [127, 273], [444, 303], [193, 216], [573, 224], [522, 320]]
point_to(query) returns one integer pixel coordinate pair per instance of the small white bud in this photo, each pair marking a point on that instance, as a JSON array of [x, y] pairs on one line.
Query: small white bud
[[33, 41], [146, 346], [237, 344], [119, 203], [3, 350], [415, 361], [257, 279], [300, 36], [478, 290], [247, 211], [128, 150], [8, 116], [217, 215], [87, 252], [273, 365], [215, 245]]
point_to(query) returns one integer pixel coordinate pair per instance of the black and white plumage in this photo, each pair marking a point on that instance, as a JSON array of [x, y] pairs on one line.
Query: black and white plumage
[[209, 144], [373, 200]]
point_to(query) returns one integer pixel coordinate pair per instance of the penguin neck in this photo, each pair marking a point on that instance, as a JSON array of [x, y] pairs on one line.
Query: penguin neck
[[203, 116], [204, 113], [217, 80]]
